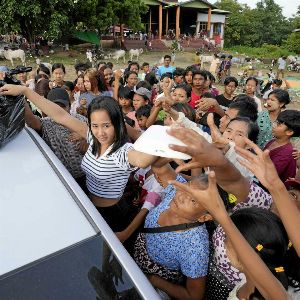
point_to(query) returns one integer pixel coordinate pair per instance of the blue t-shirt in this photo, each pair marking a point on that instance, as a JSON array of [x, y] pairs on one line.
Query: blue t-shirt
[[162, 70], [89, 96], [187, 251]]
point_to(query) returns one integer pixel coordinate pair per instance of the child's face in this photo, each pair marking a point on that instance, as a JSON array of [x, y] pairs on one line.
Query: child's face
[[87, 83], [80, 84], [146, 69], [189, 77], [236, 131], [178, 79], [230, 88], [179, 95], [126, 103], [2, 75], [250, 87], [280, 130], [138, 101], [142, 122]]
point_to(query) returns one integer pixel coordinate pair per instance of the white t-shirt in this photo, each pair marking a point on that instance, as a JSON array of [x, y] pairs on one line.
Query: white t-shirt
[[281, 63]]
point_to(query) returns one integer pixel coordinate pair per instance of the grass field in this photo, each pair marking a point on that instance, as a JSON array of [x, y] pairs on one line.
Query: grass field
[[183, 59]]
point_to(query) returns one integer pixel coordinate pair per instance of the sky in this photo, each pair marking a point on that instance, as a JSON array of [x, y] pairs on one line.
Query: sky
[[289, 7]]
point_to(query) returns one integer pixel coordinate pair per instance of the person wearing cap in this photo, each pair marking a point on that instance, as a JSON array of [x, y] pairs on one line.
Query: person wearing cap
[[57, 136], [3, 71], [141, 97]]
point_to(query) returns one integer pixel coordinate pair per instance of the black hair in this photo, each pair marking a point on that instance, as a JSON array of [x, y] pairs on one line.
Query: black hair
[[114, 111], [246, 107], [133, 63], [178, 72], [101, 63], [110, 65], [189, 69], [277, 82], [199, 72], [231, 79], [144, 110], [125, 92], [186, 87], [210, 76], [188, 111], [145, 64], [256, 224], [81, 67], [58, 66], [230, 56], [252, 78], [151, 78], [167, 74], [44, 69], [208, 95], [70, 85], [128, 74], [167, 56], [253, 129], [291, 118], [282, 96], [145, 84]]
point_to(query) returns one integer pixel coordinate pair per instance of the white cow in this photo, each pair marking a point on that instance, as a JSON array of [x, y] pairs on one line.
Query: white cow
[[11, 54], [135, 52], [119, 54]]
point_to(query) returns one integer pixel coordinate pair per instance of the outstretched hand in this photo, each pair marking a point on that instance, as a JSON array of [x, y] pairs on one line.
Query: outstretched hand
[[260, 164], [208, 198], [203, 153], [12, 90], [217, 138]]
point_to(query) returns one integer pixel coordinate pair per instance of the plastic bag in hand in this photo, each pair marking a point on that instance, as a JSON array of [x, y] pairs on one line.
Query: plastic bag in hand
[[12, 117]]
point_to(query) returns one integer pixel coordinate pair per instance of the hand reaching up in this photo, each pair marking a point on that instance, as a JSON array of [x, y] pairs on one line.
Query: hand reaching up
[[208, 198], [217, 138], [260, 164]]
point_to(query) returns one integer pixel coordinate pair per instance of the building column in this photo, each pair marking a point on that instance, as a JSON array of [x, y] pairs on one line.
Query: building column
[[222, 31], [160, 21], [167, 21], [208, 20], [197, 28], [177, 22], [150, 21], [211, 33]]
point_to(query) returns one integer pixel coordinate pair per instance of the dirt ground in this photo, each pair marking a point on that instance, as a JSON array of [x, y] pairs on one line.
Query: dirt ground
[[183, 59]]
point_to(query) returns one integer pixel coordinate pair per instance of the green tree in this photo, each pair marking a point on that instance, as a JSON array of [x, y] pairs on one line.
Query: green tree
[[36, 17], [104, 13]]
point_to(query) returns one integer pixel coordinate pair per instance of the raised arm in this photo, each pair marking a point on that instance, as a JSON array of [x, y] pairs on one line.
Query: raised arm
[[263, 168], [205, 154], [254, 267], [55, 112]]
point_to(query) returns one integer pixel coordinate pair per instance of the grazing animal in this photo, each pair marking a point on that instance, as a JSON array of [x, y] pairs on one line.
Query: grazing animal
[[119, 54], [135, 52], [12, 54]]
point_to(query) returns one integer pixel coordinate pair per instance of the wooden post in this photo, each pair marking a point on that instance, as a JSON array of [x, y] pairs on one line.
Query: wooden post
[[160, 22], [167, 21], [208, 20], [122, 34], [177, 22], [150, 21]]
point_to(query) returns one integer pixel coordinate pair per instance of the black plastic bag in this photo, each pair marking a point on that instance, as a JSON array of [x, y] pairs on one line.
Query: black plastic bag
[[12, 117]]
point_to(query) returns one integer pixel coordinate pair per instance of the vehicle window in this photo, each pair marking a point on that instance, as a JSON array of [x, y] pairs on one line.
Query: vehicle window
[[87, 270]]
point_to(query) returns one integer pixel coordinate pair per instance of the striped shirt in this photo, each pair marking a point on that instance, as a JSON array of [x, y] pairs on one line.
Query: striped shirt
[[107, 175]]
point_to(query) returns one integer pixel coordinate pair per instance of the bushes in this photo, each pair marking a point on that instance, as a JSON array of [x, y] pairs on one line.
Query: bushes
[[265, 51]]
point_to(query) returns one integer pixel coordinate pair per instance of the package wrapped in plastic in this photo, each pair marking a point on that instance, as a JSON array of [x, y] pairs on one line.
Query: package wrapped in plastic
[[12, 110], [12, 117]]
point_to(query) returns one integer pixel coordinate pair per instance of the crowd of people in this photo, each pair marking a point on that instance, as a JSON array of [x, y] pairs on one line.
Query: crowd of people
[[221, 225]]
